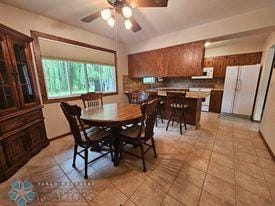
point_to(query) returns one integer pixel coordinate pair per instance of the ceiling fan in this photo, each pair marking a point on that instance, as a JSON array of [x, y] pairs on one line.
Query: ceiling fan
[[124, 7]]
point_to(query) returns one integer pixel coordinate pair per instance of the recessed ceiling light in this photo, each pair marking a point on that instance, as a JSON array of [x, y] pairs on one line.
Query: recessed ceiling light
[[206, 44]]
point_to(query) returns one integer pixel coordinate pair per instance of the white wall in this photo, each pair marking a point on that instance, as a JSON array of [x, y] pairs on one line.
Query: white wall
[[241, 23], [235, 48], [267, 126], [268, 53], [24, 21]]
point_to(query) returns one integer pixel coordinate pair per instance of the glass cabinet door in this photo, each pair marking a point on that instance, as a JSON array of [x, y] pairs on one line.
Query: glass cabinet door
[[23, 73], [8, 96]]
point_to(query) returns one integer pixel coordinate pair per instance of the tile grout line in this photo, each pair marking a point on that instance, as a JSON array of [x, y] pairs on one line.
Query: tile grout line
[[207, 168], [262, 170], [234, 165], [167, 193], [260, 167], [70, 179]]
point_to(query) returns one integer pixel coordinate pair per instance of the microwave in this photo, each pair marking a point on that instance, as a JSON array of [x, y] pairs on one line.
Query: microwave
[[207, 73]]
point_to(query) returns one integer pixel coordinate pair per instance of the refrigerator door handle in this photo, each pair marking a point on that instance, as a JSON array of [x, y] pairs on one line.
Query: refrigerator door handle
[[239, 85]]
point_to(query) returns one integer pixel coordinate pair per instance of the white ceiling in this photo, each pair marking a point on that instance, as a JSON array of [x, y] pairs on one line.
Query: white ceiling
[[180, 14]]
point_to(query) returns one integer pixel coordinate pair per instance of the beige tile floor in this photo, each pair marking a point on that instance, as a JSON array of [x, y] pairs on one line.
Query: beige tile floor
[[224, 162]]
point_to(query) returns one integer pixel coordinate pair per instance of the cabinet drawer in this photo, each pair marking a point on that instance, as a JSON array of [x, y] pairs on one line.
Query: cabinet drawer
[[20, 121], [16, 147]]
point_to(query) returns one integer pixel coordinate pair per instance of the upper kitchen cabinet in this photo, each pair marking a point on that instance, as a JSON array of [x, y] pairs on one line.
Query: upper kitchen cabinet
[[221, 62], [219, 65], [182, 60], [208, 62]]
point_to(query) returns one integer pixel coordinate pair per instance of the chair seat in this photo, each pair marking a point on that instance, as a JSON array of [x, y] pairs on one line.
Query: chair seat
[[179, 106], [133, 131], [95, 134]]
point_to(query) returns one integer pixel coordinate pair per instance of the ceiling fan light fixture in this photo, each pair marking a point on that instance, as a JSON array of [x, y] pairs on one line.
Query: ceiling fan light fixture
[[127, 12], [106, 14], [128, 24], [111, 22]]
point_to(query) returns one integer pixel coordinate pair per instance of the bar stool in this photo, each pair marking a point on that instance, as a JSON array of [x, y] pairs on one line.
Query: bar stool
[[176, 103]]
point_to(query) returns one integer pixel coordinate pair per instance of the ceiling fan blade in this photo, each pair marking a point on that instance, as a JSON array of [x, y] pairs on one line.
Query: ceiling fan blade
[[148, 3], [136, 27], [91, 17]]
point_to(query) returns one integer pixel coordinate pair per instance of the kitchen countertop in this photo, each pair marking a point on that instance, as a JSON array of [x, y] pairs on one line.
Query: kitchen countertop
[[192, 95], [217, 89]]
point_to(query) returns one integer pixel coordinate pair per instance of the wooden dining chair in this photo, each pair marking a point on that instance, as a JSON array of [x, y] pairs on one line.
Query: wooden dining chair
[[138, 97], [93, 139], [160, 106], [139, 134], [92, 99], [176, 103]]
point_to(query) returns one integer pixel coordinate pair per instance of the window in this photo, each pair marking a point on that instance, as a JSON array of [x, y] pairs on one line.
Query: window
[[149, 80], [69, 78]]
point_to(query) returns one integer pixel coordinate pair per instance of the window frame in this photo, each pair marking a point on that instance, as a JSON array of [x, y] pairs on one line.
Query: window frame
[[85, 66], [38, 61]]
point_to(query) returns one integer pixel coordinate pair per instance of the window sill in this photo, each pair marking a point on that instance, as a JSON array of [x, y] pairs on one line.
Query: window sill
[[50, 101]]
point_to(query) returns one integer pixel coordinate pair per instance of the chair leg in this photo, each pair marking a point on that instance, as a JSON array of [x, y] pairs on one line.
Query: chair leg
[[75, 153], [86, 163], [154, 147], [173, 119], [143, 159], [111, 151], [161, 117], [171, 115], [184, 120], [180, 121]]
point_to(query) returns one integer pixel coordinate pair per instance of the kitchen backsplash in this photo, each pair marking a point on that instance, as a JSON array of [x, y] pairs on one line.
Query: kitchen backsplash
[[130, 84], [216, 83]]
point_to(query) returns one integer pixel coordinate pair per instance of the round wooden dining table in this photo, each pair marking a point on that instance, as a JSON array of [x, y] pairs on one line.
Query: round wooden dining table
[[113, 116]]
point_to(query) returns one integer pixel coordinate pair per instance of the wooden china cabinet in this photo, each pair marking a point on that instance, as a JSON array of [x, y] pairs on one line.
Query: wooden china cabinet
[[22, 129]]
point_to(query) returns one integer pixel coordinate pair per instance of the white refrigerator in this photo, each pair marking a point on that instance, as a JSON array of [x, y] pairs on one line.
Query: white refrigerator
[[240, 89]]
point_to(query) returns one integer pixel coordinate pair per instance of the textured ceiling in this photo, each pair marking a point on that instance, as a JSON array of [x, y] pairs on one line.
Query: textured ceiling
[[180, 14]]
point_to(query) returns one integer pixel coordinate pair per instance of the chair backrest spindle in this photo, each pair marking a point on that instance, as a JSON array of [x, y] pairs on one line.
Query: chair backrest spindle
[[92, 99]]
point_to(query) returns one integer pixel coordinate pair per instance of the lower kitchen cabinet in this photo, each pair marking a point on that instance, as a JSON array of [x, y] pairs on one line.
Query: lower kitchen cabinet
[[215, 101]]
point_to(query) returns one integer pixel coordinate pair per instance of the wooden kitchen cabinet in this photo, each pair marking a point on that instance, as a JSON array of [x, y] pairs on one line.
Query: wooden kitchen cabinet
[[220, 63], [251, 58], [216, 101], [208, 62], [182, 60], [233, 60]]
